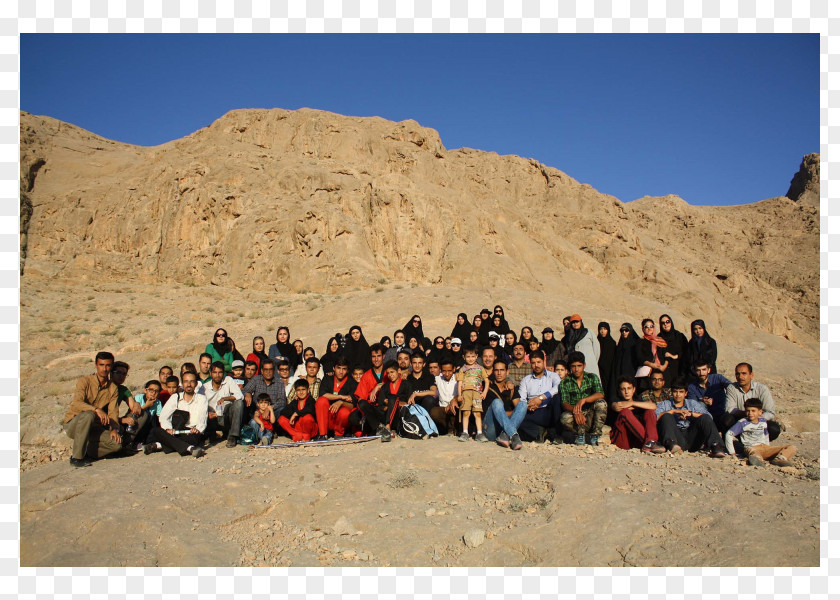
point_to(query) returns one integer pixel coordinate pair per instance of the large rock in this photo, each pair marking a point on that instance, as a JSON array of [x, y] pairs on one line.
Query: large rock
[[805, 185]]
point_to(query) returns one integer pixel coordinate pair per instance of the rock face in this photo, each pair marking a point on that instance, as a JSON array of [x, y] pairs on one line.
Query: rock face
[[277, 200], [805, 185]]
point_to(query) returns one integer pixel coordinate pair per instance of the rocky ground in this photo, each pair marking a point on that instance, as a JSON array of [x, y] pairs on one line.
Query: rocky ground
[[437, 502]]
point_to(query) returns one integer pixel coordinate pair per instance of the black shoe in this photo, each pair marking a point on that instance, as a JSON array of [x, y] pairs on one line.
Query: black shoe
[[717, 451], [231, 442], [320, 438], [198, 452], [79, 462], [149, 448]]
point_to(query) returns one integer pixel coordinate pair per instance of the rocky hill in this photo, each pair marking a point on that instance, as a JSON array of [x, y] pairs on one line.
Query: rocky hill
[[278, 200]]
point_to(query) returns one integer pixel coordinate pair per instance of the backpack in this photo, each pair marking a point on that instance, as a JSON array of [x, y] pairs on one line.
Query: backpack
[[415, 423], [247, 436]]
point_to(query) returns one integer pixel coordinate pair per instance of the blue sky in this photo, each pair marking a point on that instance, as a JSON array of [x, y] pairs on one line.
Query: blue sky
[[715, 119]]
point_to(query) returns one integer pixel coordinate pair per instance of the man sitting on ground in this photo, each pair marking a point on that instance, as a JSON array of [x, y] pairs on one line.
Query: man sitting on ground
[[685, 423], [745, 388], [185, 435], [335, 401], [519, 368], [92, 420], [505, 412], [710, 389], [584, 407], [539, 391], [225, 404], [204, 362], [266, 383], [423, 391]]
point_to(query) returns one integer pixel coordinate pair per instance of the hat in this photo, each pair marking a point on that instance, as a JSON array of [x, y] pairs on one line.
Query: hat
[[575, 317], [454, 341], [237, 363], [494, 336], [486, 310], [548, 330]]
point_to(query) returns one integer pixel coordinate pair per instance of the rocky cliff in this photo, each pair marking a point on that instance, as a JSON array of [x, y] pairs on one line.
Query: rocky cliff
[[277, 200]]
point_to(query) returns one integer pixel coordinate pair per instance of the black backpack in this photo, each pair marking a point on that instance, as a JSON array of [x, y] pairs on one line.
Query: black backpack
[[415, 423]]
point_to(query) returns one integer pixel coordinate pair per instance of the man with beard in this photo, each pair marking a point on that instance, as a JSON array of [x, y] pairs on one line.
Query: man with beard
[[518, 369], [266, 383], [505, 412], [225, 404], [539, 391], [193, 407], [742, 390]]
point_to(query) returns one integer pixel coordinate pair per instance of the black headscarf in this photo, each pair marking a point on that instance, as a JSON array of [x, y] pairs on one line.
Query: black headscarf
[[357, 353], [221, 348], [437, 353], [606, 359], [703, 348], [505, 325], [262, 354], [678, 346], [573, 336], [412, 330], [549, 346], [285, 349], [626, 355], [462, 331], [329, 358]]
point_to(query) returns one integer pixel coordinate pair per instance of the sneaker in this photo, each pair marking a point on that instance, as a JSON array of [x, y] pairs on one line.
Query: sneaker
[[717, 451], [198, 452], [593, 440], [580, 440], [781, 461], [384, 433], [755, 460], [675, 449], [231, 442], [515, 442], [139, 447], [320, 438], [654, 448], [464, 437], [149, 448], [503, 440], [481, 438], [79, 462]]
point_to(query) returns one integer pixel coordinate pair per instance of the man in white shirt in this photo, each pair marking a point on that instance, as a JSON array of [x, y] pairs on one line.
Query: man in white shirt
[[742, 390], [188, 410], [225, 404]]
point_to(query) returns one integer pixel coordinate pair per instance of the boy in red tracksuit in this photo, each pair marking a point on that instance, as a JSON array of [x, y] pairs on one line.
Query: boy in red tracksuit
[[298, 416], [380, 408], [335, 401]]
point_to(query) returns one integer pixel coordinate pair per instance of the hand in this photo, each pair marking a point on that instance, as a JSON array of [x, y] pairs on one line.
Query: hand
[[170, 431], [211, 414], [193, 430], [580, 418], [335, 407], [411, 399], [135, 409], [685, 413], [248, 400], [534, 404], [129, 421], [115, 436], [707, 401], [103, 418], [293, 419]]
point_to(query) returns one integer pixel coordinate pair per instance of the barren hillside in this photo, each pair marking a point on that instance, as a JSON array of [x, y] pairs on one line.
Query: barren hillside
[[313, 201]]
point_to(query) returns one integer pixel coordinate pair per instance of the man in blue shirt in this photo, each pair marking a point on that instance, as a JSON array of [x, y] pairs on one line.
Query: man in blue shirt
[[684, 423], [539, 390], [710, 389]]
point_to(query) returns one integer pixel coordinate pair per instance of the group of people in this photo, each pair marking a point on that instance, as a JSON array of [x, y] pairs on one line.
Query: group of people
[[659, 392]]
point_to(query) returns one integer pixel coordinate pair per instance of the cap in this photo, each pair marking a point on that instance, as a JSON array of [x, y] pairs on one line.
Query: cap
[[455, 341], [494, 336], [548, 330], [575, 317], [486, 310], [237, 363]]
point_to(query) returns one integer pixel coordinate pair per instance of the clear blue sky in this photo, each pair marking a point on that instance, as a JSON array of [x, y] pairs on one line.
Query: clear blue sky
[[716, 119]]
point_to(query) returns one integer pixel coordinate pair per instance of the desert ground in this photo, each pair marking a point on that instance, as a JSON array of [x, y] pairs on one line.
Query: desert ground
[[407, 503]]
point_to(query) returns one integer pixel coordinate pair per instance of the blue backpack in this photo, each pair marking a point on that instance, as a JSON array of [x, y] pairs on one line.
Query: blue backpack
[[247, 436], [415, 423]]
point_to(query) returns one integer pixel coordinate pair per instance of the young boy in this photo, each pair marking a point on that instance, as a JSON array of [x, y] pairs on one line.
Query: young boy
[[561, 368], [149, 403], [473, 385], [298, 416], [164, 374], [753, 434], [264, 420], [358, 372], [237, 373]]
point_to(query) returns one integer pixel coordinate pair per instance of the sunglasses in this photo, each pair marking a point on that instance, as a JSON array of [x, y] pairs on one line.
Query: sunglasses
[[624, 330], [647, 326], [665, 322], [221, 335]]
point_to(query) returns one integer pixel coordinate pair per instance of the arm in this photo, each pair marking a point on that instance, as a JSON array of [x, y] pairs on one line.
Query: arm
[[768, 404], [729, 441]]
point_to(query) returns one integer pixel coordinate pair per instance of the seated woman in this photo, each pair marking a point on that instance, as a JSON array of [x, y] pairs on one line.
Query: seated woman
[[220, 349], [258, 353], [300, 372]]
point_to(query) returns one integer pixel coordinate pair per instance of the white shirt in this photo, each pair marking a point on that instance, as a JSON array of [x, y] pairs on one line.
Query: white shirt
[[228, 387], [197, 407], [446, 389]]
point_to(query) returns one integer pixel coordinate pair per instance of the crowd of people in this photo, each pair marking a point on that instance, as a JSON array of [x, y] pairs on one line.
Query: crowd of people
[[659, 392]]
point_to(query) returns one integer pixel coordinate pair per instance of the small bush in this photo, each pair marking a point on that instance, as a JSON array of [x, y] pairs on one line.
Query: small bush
[[404, 479]]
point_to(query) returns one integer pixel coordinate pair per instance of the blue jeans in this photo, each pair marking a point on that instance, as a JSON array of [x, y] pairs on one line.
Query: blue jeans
[[256, 427], [496, 419]]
